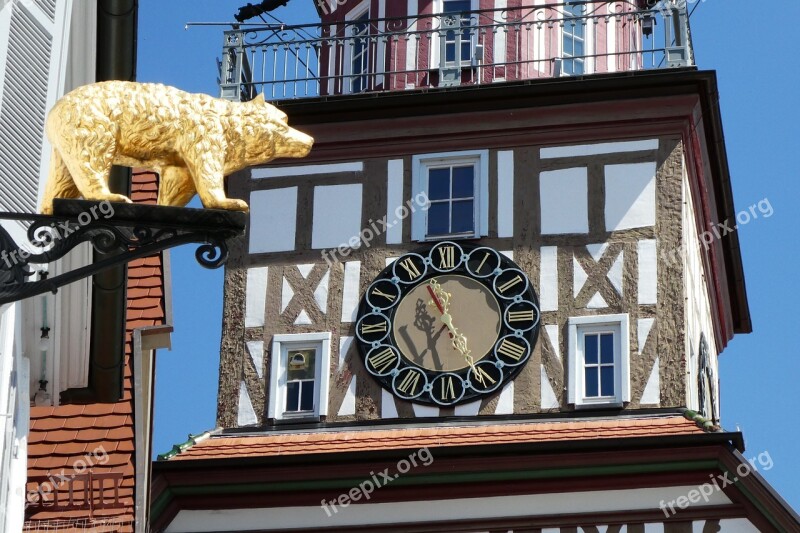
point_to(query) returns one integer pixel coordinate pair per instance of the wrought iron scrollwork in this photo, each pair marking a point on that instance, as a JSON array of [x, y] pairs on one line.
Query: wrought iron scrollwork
[[130, 232]]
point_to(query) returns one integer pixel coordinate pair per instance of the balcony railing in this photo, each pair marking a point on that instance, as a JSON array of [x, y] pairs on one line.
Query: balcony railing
[[429, 51]]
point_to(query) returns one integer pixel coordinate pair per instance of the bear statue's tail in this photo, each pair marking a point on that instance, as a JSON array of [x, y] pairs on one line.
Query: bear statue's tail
[[59, 183]]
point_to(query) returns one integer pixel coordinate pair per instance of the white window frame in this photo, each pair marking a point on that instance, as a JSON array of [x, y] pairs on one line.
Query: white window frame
[[281, 344], [438, 11], [419, 170], [588, 45], [580, 326], [350, 19]]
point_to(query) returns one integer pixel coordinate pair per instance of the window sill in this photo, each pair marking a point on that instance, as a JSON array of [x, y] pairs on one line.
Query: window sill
[[297, 419], [610, 404]]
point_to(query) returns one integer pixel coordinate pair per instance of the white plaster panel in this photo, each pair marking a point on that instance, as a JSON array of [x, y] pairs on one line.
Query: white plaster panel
[[505, 192], [564, 201], [350, 291], [371, 515], [579, 277], [256, 351], [548, 287], [425, 411], [630, 196], [247, 415], [597, 149], [505, 403], [597, 302], [306, 170], [303, 319], [348, 407], [554, 337], [390, 260], [394, 200], [508, 253], [468, 409], [337, 215], [286, 295], [549, 400], [615, 274], [321, 292], [648, 272], [344, 347], [271, 209], [305, 270], [739, 525], [388, 409], [256, 298], [597, 250], [652, 391], [643, 331]]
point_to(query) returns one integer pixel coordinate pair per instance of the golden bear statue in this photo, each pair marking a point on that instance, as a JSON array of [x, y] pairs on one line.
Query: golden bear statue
[[192, 140]]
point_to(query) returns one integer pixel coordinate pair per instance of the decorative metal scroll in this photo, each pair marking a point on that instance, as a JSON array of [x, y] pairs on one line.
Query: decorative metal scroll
[[122, 232]]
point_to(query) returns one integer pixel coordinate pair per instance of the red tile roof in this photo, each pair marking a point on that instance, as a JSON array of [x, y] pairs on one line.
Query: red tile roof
[[229, 446], [100, 436]]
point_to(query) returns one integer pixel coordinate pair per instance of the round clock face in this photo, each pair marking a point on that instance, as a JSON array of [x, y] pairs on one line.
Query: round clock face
[[448, 325]]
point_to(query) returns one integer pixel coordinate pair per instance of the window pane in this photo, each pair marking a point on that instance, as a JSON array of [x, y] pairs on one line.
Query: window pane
[[607, 380], [457, 6], [439, 183], [439, 219], [463, 182], [462, 216], [450, 50], [578, 49], [590, 349], [607, 348], [591, 382], [568, 48], [307, 396], [292, 396], [300, 364]]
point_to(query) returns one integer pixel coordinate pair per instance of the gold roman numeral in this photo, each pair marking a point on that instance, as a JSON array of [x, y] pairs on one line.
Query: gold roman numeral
[[520, 316], [448, 389], [485, 257], [447, 257], [510, 283], [510, 349], [378, 292], [382, 360], [482, 377], [409, 384], [410, 268], [373, 328]]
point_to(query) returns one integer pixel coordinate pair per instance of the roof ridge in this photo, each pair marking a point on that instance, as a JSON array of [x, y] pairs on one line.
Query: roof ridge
[[179, 448]]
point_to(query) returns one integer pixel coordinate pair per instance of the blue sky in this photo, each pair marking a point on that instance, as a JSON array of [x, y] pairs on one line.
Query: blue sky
[[758, 79]]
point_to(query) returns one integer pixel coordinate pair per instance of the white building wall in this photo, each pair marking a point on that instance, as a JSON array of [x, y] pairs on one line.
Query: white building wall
[[47, 48], [698, 305]]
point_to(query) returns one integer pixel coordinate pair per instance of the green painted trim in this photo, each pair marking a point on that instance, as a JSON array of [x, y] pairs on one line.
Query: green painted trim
[[183, 446]]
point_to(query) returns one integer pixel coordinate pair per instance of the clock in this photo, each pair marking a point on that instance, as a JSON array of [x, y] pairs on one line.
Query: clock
[[447, 324]]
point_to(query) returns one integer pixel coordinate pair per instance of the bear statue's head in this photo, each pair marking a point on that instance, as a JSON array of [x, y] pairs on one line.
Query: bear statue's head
[[274, 138]]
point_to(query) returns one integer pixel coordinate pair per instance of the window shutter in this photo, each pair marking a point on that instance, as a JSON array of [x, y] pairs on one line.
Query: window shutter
[[32, 77]]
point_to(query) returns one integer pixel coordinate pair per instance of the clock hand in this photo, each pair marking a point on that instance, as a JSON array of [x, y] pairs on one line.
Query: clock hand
[[459, 339]]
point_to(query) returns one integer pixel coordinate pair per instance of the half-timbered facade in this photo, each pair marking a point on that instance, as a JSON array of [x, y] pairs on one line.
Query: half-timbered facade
[[512, 279]]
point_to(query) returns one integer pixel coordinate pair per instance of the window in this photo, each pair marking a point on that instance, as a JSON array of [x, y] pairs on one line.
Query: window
[[359, 55], [599, 361], [458, 44], [574, 40], [457, 189], [299, 377]]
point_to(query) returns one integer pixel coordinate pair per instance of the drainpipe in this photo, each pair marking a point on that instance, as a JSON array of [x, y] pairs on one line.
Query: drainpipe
[[116, 60]]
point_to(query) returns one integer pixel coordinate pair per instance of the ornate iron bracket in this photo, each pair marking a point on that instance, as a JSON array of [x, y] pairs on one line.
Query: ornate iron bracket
[[129, 231]]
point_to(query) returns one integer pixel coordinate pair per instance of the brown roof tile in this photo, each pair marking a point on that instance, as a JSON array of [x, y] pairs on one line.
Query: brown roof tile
[[384, 439], [60, 436]]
